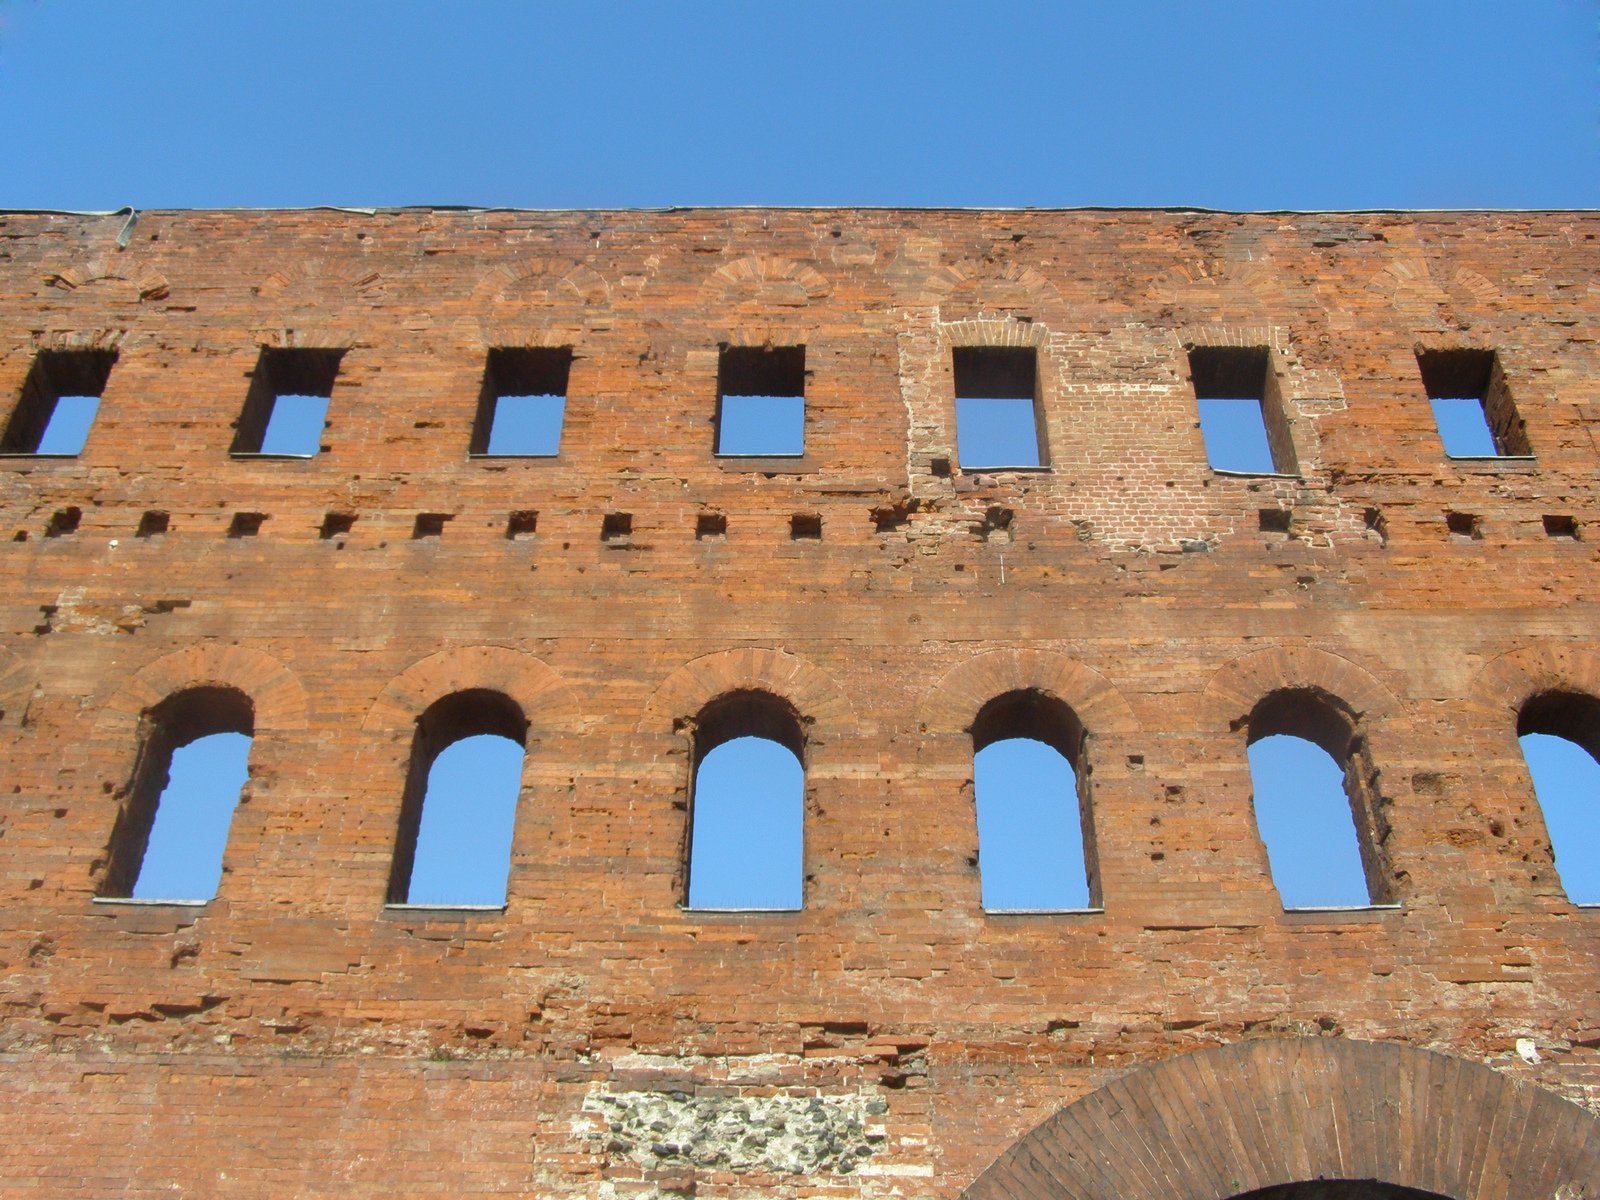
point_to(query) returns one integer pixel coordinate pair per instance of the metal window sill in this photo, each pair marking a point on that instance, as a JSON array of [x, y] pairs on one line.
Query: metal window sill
[[737, 912], [444, 909], [145, 902], [272, 456], [1227, 473], [1044, 912]]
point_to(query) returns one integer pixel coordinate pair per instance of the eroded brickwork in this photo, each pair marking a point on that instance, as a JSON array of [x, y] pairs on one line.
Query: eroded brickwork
[[295, 1037]]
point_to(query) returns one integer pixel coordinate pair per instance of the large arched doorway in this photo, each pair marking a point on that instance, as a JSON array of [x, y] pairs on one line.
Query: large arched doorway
[[1306, 1119]]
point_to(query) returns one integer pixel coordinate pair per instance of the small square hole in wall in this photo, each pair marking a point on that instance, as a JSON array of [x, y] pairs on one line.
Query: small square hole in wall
[[616, 527], [286, 408], [805, 527], [246, 524], [522, 525], [59, 400], [429, 525], [711, 525], [761, 401], [1274, 520], [63, 521], [1561, 526], [996, 525], [997, 407], [1464, 527], [336, 525], [1375, 523], [523, 402], [153, 523]]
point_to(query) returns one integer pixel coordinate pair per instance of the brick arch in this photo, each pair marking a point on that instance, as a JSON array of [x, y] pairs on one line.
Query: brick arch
[[951, 704], [1221, 1122], [279, 699], [117, 280], [1504, 684], [816, 697], [767, 280], [537, 688], [991, 331], [1009, 286], [541, 281], [1238, 686], [310, 278]]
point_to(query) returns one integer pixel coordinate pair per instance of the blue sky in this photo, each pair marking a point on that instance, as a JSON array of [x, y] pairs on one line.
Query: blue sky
[[1244, 104], [1248, 104]]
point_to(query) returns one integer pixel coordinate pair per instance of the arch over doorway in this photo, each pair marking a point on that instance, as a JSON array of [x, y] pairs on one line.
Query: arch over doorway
[[1230, 1122]]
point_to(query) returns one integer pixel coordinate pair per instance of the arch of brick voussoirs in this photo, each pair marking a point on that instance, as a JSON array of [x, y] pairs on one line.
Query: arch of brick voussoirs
[[1506, 683], [538, 689], [819, 701], [991, 331], [1220, 1122], [278, 698], [941, 283], [754, 274], [1238, 686], [951, 704], [563, 279]]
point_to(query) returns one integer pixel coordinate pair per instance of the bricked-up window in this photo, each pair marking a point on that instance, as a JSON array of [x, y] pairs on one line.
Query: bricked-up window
[[458, 813], [1317, 807], [1035, 834], [59, 400], [286, 408], [998, 419], [746, 805], [1242, 416], [761, 401], [1472, 404], [169, 838], [1560, 737], [523, 402]]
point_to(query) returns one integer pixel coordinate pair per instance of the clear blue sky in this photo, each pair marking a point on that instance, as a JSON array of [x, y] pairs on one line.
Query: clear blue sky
[[1243, 104], [1251, 104]]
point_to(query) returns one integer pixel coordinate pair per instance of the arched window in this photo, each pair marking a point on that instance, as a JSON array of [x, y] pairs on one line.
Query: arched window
[[1035, 835], [746, 805], [459, 810], [1315, 802], [1560, 736], [170, 836]]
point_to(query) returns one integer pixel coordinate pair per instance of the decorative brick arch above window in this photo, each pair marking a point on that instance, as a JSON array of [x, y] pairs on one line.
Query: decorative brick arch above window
[[767, 280], [1236, 689], [819, 701], [1223, 1122], [950, 705], [537, 689], [280, 700], [1506, 683]]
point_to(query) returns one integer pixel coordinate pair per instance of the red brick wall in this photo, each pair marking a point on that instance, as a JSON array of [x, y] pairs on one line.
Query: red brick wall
[[293, 1038]]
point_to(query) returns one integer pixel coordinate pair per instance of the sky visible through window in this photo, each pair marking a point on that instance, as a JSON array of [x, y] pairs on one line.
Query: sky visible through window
[[1236, 436], [1304, 817], [295, 426], [762, 425], [992, 433], [468, 816], [1463, 428], [1030, 835], [527, 425], [748, 837], [68, 427], [183, 860]]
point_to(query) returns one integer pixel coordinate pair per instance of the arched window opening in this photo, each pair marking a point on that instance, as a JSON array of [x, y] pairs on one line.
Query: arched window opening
[[1560, 736], [1316, 802], [169, 838], [747, 806], [1035, 833], [458, 814]]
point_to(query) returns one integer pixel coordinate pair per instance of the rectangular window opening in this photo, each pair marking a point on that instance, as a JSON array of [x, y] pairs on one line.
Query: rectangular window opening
[[523, 403], [1561, 526], [430, 525], [998, 423], [805, 527], [59, 400], [336, 525], [1463, 526], [246, 524], [761, 401], [616, 527], [1472, 404], [522, 525], [286, 409], [1242, 417], [63, 522]]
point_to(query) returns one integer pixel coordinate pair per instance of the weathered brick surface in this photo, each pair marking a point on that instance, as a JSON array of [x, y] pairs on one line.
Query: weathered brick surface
[[293, 1038]]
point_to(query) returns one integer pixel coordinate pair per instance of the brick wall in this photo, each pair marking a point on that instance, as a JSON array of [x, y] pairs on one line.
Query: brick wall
[[294, 1037]]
